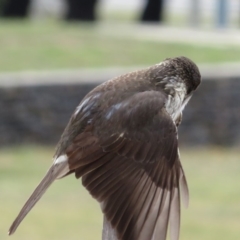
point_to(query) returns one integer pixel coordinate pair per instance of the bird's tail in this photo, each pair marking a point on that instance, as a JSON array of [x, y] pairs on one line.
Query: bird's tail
[[57, 170]]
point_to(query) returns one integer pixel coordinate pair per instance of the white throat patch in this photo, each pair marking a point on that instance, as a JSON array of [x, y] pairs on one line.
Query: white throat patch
[[175, 104]]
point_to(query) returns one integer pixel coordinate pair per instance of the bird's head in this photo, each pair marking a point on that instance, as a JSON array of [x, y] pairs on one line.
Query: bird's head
[[187, 70]]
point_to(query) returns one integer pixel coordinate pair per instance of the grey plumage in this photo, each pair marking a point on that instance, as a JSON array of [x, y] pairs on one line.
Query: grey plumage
[[122, 140]]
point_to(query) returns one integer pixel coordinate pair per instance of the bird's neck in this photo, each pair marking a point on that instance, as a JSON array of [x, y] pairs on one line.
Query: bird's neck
[[175, 102]]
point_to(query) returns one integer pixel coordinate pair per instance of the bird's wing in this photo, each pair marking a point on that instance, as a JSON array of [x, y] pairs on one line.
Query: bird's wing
[[129, 162], [128, 157]]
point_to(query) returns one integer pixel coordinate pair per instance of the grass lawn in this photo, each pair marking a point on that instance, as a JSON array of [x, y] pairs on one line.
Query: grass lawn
[[47, 45], [68, 212]]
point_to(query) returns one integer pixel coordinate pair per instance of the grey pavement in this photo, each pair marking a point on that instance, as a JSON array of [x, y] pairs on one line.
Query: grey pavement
[[220, 71]]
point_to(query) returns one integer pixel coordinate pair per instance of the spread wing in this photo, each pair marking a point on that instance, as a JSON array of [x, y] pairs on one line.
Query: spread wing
[[127, 156], [128, 159]]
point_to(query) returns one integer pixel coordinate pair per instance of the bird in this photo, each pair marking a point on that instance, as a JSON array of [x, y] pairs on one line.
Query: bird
[[122, 141]]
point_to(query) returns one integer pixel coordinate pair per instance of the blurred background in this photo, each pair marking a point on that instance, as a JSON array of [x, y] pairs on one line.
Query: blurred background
[[52, 52]]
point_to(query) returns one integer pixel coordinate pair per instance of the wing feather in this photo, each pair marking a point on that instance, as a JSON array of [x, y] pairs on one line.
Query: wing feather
[[133, 169]]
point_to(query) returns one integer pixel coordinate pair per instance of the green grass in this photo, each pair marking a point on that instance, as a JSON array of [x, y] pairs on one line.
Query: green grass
[[67, 211], [49, 45]]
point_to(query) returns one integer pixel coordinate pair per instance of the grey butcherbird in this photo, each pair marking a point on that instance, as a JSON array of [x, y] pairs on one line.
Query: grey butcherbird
[[122, 140]]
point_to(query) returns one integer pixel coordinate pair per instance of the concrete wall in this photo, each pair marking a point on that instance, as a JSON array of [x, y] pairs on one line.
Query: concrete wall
[[38, 111], [213, 114]]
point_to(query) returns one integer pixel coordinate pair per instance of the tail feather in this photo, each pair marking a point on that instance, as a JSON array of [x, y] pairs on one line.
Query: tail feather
[[57, 170]]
